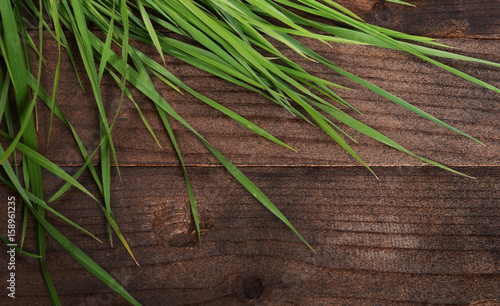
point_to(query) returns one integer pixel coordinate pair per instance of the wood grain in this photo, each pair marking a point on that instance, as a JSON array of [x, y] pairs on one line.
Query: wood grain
[[418, 236], [434, 18], [464, 105], [415, 236]]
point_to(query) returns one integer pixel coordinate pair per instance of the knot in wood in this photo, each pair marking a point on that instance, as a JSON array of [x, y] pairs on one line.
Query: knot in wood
[[252, 288]]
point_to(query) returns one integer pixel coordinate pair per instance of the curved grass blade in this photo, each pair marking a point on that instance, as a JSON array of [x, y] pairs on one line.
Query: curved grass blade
[[70, 248], [33, 174], [400, 2], [47, 164], [36, 200], [17, 248], [143, 83], [192, 201], [150, 29], [367, 130]]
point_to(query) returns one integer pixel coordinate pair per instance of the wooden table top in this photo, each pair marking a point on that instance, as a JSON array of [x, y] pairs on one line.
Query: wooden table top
[[418, 235]]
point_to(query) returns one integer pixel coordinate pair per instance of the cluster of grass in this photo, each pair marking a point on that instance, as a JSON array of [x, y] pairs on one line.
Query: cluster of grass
[[238, 41]]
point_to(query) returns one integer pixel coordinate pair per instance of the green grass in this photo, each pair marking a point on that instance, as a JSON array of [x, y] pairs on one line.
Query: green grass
[[237, 41]]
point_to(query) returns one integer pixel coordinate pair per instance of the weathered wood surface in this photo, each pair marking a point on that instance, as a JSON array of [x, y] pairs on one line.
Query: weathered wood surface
[[466, 106], [417, 236], [435, 18]]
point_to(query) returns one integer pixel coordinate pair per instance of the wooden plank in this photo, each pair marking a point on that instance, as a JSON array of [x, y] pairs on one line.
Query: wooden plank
[[466, 106], [416, 236], [433, 18]]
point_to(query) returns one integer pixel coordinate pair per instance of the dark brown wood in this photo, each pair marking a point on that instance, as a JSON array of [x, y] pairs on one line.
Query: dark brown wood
[[434, 18], [419, 235], [466, 106], [416, 236]]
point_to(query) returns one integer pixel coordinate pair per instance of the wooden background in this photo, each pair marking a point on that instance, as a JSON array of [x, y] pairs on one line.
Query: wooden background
[[419, 235]]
